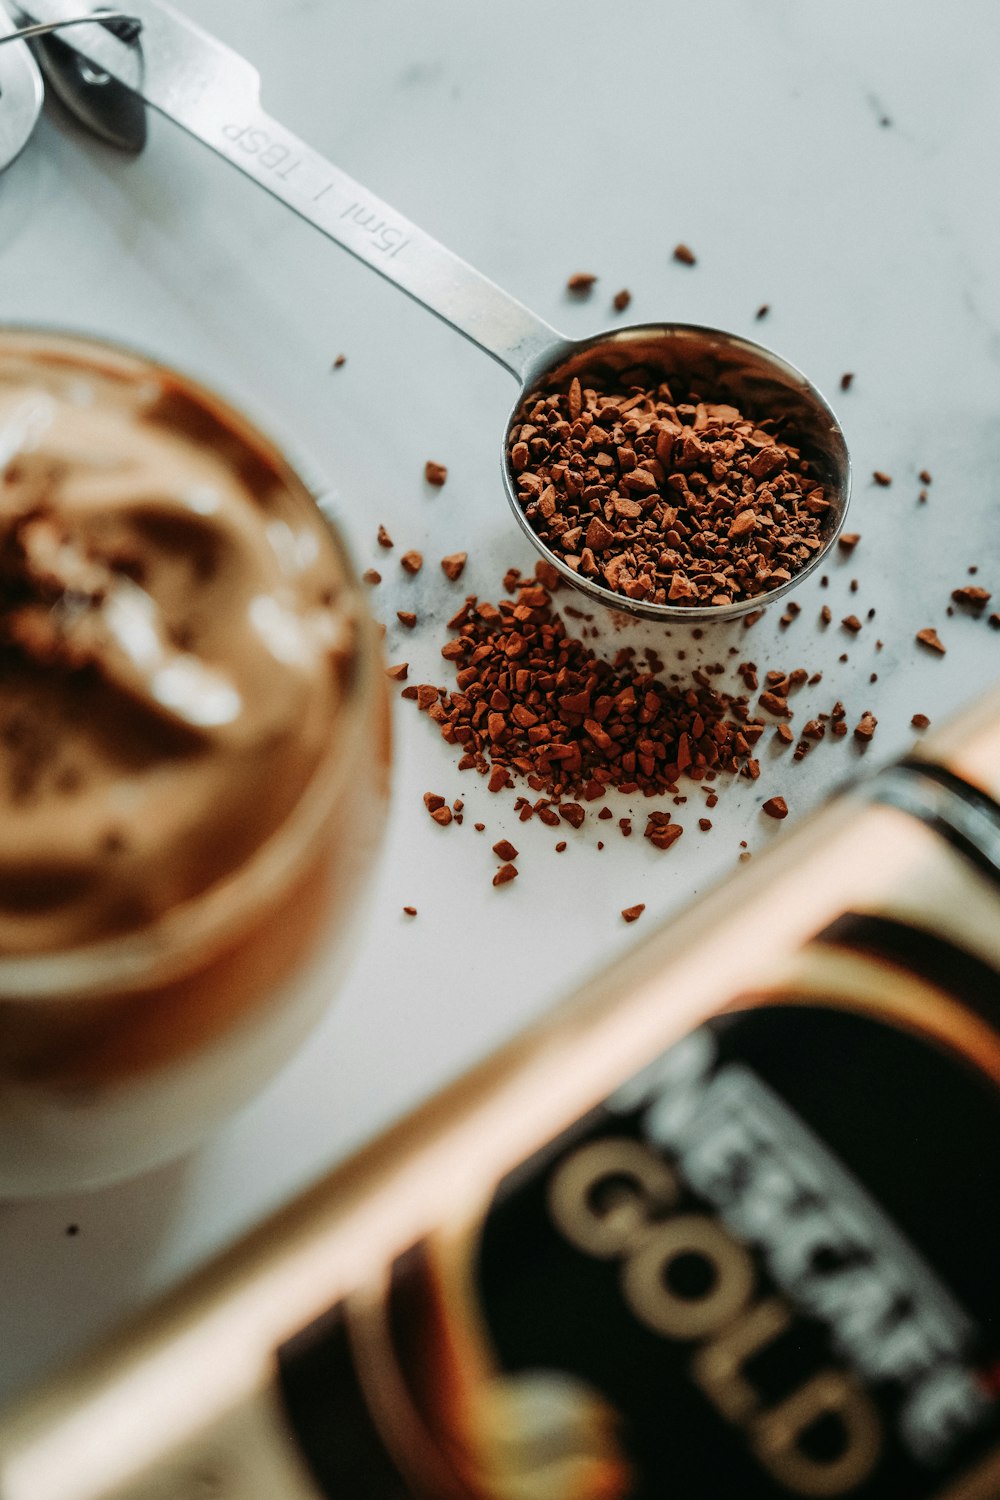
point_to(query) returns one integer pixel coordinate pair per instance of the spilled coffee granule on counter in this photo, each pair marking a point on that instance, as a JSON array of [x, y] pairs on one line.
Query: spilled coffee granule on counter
[[930, 638], [974, 599], [533, 702], [658, 494]]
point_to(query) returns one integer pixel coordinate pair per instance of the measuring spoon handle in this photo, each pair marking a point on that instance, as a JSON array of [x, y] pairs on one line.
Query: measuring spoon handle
[[401, 252], [214, 93]]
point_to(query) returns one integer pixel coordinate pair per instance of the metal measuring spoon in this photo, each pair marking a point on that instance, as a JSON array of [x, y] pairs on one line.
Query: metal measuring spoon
[[215, 94], [107, 108], [20, 95]]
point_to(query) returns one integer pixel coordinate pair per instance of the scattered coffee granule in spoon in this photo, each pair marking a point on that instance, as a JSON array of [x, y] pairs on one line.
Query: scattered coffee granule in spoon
[[660, 495]]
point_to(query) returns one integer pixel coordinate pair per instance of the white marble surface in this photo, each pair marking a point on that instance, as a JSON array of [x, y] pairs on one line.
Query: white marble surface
[[837, 162]]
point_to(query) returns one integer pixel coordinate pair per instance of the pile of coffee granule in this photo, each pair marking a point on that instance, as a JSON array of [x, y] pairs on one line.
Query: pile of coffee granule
[[662, 496], [533, 702]]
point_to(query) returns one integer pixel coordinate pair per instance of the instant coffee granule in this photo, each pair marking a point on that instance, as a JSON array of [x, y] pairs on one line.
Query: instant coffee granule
[[535, 706], [662, 495], [533, 702]]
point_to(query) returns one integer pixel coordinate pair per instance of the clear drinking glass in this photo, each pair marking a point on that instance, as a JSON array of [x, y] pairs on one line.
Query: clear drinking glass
[[120, 1052]]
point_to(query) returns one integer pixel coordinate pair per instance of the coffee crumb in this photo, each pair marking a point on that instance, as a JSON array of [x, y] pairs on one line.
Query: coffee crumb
[[660, 831], [783, 734], [994, 621], [920, 721], [621, 299], [407, 618], [505, 874], [383, 538], [442, 816], [505, 850], [340, 362], [930, 639], [685, 255], [775, 807], [826, 614], [704, 824], [762, 311], [847, 380], [865, 727], [399, 672], [72, 1230], [848, 540], [851, 623], [882, 478], [411, 562], [371, 575], [411, 911], [971, 598], [561, 846], [453, 565], [924, 477], [633, 913], [435, 474], [580, 283]]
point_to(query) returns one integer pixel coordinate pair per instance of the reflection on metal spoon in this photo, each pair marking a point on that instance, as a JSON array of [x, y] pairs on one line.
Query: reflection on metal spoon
[[20, 94], [113, 113]]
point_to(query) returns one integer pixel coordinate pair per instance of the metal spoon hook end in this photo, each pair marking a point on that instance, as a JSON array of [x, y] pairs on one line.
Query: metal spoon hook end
[[105, 107]]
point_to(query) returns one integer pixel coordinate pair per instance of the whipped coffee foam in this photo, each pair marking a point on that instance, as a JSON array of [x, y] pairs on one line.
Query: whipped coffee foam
[[172, 643]]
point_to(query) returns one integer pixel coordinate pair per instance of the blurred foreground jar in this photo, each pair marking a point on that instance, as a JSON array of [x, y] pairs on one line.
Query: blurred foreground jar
[[728, 1225], [193, 760]]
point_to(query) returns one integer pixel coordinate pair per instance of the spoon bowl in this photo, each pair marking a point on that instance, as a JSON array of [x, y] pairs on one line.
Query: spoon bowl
[[724, 368]]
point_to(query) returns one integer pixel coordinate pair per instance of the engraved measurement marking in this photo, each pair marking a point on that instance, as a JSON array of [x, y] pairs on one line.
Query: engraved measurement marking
[[270, 153], [385, 236]]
